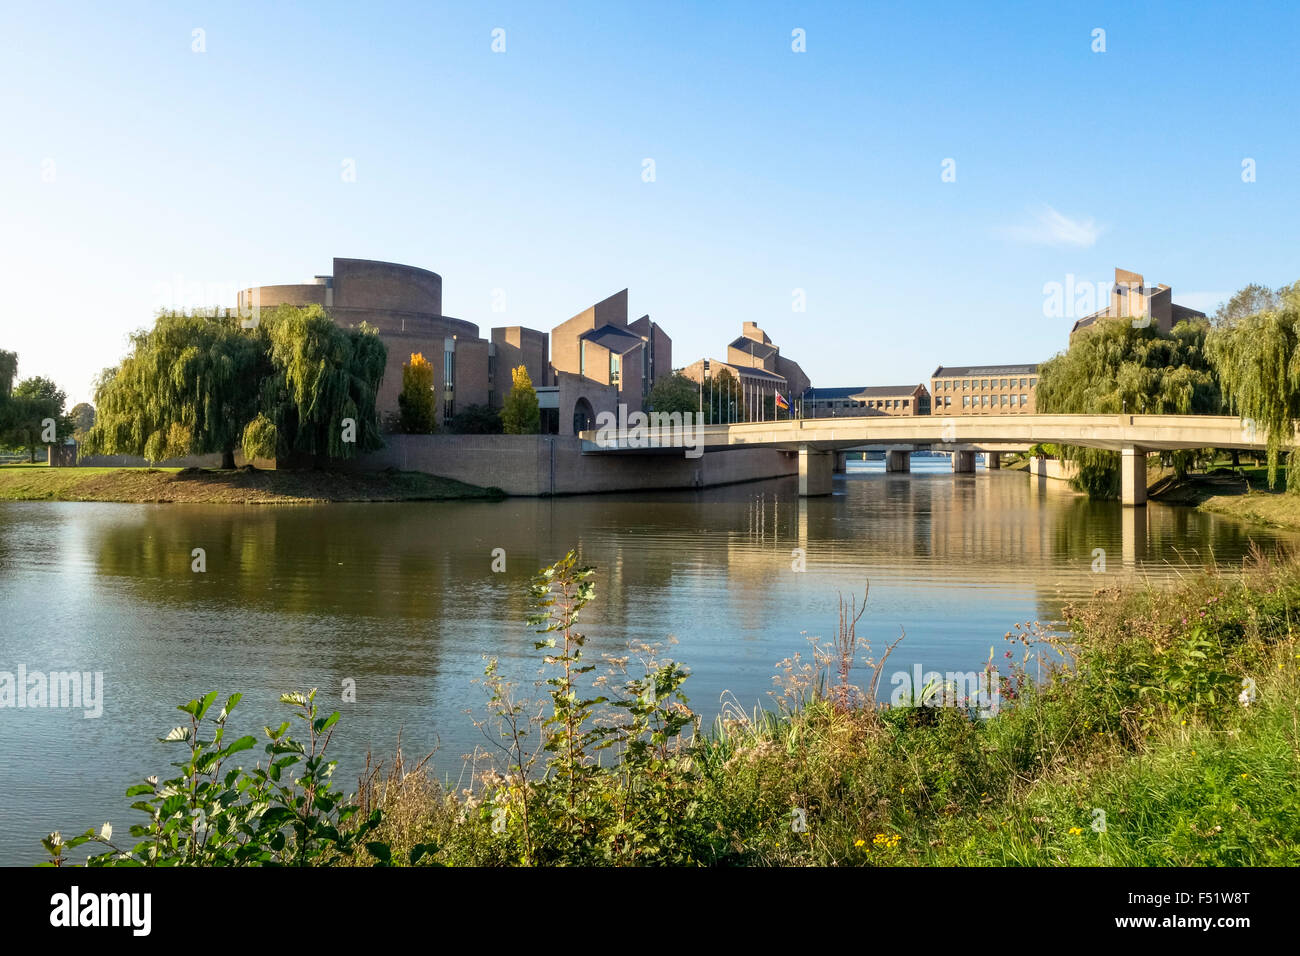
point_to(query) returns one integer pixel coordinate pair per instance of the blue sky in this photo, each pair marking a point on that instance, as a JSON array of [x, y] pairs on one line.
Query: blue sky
[[137, 173]]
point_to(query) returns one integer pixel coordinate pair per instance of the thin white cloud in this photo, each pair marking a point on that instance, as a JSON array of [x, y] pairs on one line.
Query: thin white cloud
[[1049, 228]]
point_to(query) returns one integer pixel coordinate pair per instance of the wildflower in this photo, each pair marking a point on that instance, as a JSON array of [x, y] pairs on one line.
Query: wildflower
[[1075, 831], [1244, 776], [859, 842]]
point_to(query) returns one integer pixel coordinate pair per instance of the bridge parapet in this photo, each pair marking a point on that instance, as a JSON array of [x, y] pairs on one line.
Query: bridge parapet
[[980, 432]]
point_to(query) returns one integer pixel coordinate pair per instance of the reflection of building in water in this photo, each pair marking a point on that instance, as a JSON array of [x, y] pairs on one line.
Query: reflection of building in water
[[986, 520]]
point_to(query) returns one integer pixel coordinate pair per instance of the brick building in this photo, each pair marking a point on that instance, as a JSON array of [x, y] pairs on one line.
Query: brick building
[[984, 390]]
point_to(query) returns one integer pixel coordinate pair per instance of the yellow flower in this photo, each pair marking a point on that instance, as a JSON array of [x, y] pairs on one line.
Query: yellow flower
[[1244, 776], [859, 842], [1075, 831]]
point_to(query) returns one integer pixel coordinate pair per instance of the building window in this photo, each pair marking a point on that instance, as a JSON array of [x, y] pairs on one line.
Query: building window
[[1022, 383], [984, 383], [984, 400], [965, 400], [1013, 400], [1004, 399], [1033, 382], [614, 369], [965, 384], [905, 403], [1004, 383], [1024, 399], [947, 400], [582, 358]]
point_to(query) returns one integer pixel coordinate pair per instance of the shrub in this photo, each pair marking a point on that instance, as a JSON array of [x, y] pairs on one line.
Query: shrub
[[285, 813]]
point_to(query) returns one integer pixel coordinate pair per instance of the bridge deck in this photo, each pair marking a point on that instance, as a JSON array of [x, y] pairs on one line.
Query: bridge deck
[[982, 432]]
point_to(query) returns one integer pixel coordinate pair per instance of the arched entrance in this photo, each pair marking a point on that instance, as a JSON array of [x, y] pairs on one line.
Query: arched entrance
[[584, 417]]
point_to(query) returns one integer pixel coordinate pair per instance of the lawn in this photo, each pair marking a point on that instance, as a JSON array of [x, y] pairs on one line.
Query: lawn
[[39, 482]]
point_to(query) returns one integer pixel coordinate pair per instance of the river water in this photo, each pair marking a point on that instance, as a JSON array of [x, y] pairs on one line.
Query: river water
[[402, 600]]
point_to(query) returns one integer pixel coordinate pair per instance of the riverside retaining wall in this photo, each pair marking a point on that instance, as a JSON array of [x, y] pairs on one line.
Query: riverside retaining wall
[[535, 465]]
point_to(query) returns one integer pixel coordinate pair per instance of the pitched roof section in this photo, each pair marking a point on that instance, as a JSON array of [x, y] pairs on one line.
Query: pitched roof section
[[746, 371], [618, 341], [960, 371], [883, 391], [821, 393], [753, 347]]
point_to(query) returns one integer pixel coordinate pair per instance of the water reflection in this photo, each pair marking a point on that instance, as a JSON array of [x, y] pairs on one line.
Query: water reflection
[[401, 598]]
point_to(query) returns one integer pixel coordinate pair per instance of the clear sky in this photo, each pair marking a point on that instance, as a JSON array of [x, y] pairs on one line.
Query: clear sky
[[136, 172]]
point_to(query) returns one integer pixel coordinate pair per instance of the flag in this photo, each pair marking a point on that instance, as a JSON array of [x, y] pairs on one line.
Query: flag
[[781, 402]]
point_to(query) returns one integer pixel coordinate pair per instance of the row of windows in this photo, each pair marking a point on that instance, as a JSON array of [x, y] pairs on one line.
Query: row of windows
[[847, 403], [1015, 401], [950, 384]]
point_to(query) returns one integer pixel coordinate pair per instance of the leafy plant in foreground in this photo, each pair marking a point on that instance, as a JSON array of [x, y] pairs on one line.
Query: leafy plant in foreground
[[286, 813]]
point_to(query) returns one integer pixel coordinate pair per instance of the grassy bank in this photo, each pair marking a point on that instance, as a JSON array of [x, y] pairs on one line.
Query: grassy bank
[[1151, 727], [1136, 750], [239, 486], [1236, 492]]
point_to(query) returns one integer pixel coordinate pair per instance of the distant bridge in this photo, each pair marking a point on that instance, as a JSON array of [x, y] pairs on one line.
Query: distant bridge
[[817, 440]]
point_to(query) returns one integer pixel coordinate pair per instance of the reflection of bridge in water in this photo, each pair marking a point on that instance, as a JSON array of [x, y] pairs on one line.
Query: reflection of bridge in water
[[820, 442]]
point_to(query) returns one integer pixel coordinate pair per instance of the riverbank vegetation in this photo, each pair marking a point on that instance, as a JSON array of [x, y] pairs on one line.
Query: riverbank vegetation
[[235, 486], [1150, 727]]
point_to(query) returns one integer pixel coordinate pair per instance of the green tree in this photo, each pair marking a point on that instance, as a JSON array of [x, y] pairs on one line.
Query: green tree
[[320, 397], [8, 369], [417, 403], [1257, 359], [1114, 368], [674, 393], [199, 383], [1250, 300], [33, 405], [188, 387], [83, 420], [521, 416]]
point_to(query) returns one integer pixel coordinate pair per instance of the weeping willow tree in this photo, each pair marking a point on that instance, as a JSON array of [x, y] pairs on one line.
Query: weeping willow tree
[[202, 383], [1257, 360], [188, 387], [320, 398], [1115, 368]]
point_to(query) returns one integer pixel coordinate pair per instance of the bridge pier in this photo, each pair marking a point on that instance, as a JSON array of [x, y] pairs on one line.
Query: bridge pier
[[815, 470], [1133, 476], [1133, 536], [898, 460], [963, 462], [841, 462], [993, 460]]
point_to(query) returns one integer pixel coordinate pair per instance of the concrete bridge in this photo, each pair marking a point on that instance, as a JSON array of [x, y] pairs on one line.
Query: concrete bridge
[[819, 441]]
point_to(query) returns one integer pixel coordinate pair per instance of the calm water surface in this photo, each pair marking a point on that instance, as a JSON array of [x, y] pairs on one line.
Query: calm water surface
[[401, 598]]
